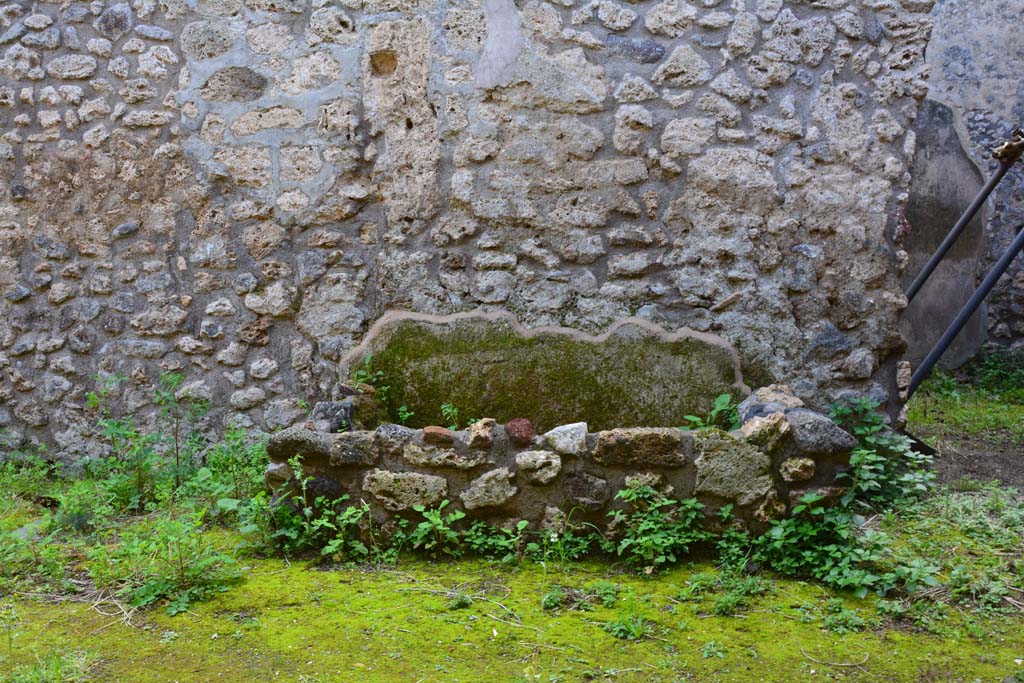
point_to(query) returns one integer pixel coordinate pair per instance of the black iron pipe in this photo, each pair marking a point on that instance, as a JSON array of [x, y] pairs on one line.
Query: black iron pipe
[[954, 234], [1004, 263]]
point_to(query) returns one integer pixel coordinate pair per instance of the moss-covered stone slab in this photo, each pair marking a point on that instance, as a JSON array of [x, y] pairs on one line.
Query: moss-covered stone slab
[[635, 374]]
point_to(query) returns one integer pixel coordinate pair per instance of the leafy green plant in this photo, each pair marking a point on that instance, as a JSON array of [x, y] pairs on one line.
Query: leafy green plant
[[9, 624], [997, 372], [295, 521], [712, 649], [167, 559], [503, 544], [132, 474], [365, 374], [179, 414], [25, 475], [232, 475], [657, 531], [724, 414], [739, 590], [822, 543], [841, 620], [459, 601], [84, 505], [450, 414], [404, 414], [435, 533], [553, 599], [605, 591], [884, 468], [347, 543], [699, 585], [630, 626]]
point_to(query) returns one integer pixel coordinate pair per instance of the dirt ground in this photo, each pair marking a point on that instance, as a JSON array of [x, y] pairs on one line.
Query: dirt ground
[[983, 457]]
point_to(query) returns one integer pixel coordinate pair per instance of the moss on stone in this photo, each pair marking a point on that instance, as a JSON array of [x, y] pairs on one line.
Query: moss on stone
[[487, 369]]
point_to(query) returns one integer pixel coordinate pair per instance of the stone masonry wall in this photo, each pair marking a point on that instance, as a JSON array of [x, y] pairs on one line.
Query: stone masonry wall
[[237, 189], [568, 475]]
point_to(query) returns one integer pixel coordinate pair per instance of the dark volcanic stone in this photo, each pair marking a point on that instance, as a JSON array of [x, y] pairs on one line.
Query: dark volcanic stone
[[115, 21], [587, 491], [333, 416], [642, 50], [391, 439], [353, 449], [125, 229], [17, 293]]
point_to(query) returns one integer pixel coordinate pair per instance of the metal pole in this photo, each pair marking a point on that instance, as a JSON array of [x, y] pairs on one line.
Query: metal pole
[[926, 367], [1008, 154]]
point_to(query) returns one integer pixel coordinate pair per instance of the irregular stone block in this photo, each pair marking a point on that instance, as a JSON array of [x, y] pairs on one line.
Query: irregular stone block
[[234, 84], [243, 399], [491, 489], [568, 439], [438, 436], [391, 439], [71, 67], [817, 436], [482, 433], [520, 431], [642, 447], [640, 50], [767, 433], [730, 468], [206, 39], [399, 491], [776, 398], [353, 448], [431, 456], [298, 440], [628, 376], [115, 21], [277, 475], [587, 491], [333, 416], [684, 68], [797, 469], [541, 466]]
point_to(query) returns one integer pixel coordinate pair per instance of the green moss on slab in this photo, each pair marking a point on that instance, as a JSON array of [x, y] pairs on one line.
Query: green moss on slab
[[486, 368]]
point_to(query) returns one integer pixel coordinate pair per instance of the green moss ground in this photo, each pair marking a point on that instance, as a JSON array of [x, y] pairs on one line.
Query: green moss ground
[[290, 622]]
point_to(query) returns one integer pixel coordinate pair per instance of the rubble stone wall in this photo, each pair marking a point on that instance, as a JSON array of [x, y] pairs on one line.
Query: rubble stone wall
[[506, 472], [237, 189]]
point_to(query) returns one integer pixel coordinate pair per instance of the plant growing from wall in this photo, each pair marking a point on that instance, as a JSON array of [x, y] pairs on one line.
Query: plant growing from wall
[[724, 415], [450, 414]]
